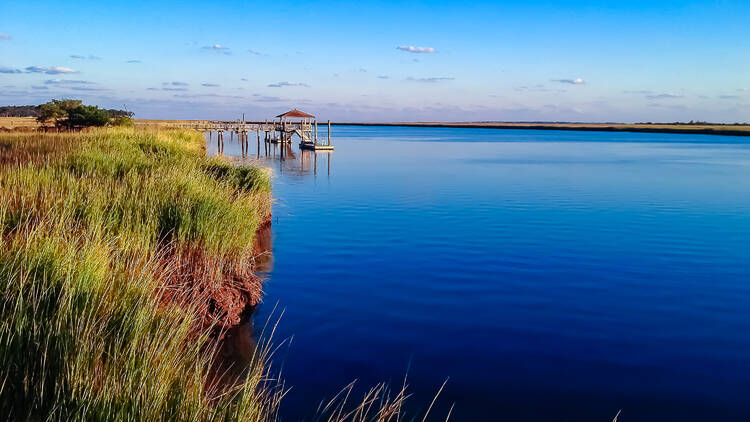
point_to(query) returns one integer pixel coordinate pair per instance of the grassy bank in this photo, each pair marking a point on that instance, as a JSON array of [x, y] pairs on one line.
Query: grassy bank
[[121, 251]]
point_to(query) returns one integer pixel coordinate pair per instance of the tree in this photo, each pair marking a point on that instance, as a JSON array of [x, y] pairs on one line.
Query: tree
[[73, 114], [56, 111], [84, 115]]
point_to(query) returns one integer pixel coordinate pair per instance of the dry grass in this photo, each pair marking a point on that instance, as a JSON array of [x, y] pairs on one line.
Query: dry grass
[[18, 123]]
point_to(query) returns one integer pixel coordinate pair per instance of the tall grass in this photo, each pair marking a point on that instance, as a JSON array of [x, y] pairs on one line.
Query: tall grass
[[113, 245]]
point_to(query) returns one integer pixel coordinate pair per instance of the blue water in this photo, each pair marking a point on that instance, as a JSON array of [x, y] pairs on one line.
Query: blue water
[[549, 275]]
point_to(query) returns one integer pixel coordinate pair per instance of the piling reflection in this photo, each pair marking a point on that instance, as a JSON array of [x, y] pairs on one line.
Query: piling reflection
[[284, 155]]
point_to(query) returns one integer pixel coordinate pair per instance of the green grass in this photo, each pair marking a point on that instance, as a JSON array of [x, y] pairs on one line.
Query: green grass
[[101, 313]]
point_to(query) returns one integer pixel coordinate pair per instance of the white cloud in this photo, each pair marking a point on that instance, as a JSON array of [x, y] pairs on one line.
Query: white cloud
[[287, 84], [412, 49], [576, 81], [50, 70]]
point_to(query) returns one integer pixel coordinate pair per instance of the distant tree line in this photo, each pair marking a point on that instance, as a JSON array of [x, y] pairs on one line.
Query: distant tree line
[[693, 122], [19, 111], [69, 114]]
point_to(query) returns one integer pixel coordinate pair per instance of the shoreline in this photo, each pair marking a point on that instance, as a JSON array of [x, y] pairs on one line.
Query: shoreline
[[723, 130], [29, 124]]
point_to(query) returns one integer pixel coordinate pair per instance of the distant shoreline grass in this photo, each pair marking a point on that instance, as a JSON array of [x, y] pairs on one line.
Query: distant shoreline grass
[[28, 123], [710, 129], [121, 250]]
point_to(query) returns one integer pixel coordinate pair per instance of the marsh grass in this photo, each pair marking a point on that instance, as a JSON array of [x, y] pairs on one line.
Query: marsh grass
[[101, 235]]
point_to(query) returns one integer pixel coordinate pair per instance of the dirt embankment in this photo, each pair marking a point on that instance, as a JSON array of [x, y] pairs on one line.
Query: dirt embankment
[[222, 294]]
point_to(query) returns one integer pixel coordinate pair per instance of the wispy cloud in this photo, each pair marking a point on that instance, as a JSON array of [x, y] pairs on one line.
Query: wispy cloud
[[133, 61], [665, 96], [66, 82], [206, 95], [639, 92], [89, 57], [50, 70], [383, 77], [430, 80], [209, 85], [288, 84], [537, 88], [4, 36], [729, 97], [87, 88], [266, 98], [174, 89], [4, 69], [413, 49], [39, 87], [254, 53], [576, 81], [176, 83], [218, 48], [243, 79]]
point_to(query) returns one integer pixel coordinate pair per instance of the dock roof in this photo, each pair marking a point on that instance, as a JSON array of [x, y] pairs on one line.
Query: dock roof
[[295, 113]]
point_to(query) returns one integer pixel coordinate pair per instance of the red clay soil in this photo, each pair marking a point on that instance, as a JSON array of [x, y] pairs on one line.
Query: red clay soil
[[220, 292]]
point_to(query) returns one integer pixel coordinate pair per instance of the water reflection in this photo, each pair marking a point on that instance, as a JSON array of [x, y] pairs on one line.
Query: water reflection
[[234, 357], [236, 347], [284, 157]]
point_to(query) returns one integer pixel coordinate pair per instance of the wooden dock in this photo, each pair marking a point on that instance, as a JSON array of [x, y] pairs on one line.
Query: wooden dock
[[280, 131]]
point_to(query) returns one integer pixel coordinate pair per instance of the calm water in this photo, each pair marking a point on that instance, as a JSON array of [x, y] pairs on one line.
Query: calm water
[[550, 275]]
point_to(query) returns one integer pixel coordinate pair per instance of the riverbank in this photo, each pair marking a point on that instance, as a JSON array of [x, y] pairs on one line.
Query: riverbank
[[28, 123], [123, 253], [710, 129]]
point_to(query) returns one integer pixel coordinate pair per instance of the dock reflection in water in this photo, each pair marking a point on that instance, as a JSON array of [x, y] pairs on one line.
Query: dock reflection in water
[[285, 158]]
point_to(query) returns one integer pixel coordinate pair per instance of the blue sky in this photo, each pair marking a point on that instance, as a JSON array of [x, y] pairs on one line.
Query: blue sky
[[385, 61]]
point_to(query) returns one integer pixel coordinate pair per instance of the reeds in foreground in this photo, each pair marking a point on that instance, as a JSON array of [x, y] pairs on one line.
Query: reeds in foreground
[[101, 315]]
